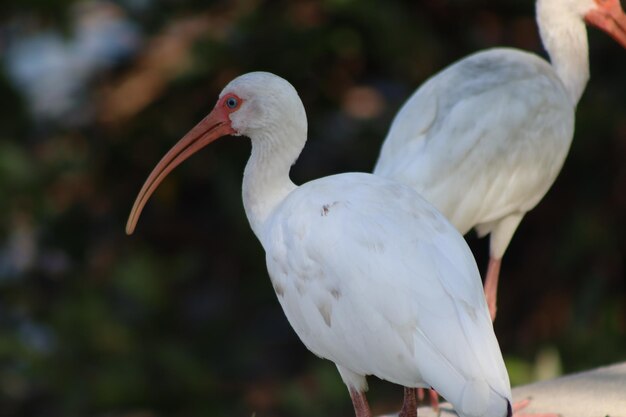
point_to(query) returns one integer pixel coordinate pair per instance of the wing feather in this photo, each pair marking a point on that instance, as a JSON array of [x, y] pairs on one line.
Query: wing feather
[[375, 279], [503, 126]]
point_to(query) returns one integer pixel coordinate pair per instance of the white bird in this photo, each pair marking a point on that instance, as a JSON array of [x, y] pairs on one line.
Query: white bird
[[369, 274], [485, 138]]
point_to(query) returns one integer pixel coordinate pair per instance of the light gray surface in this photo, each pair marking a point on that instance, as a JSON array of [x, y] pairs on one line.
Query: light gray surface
[[600, 392]]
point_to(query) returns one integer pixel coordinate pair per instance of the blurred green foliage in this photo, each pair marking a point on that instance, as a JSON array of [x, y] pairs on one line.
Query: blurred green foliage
[[180, 319]]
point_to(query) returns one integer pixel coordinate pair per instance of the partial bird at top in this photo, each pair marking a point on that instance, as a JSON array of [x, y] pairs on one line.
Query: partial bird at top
[[369, 274], [485, 138]]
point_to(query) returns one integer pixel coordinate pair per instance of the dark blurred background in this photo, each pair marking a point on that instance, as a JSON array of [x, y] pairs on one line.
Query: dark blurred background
[[180, 319]]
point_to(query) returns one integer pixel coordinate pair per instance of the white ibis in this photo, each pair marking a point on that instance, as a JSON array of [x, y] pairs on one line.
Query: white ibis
[[369, 274], [484, 139]]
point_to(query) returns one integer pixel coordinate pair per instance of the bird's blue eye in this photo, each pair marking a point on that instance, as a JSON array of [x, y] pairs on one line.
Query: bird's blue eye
[[232, 102]]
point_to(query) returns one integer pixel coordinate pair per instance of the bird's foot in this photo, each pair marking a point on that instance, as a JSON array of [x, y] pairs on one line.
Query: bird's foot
[[520, 405], [434, 398]]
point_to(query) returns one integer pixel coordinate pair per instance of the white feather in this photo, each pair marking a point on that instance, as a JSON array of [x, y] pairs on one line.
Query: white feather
[[502, 127], [372, 277], [485, 138], [369, 274]]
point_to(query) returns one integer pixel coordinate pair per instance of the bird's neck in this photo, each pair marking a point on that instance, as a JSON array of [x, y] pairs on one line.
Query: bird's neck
[[564, 36], [266, 180]]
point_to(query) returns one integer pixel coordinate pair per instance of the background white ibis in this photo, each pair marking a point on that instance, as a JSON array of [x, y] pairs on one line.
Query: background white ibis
[[484, 139], [369, 274]]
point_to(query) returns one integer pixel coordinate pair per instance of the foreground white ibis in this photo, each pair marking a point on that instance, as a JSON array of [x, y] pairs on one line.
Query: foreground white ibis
[[369, 274], [484, 139]]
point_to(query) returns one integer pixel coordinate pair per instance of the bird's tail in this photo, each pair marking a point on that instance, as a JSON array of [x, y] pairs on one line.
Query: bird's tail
[[499, 406], [475, 401]]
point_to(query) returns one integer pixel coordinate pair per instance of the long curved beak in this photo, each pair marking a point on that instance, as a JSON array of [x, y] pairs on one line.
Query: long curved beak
[[212, 127], [609, 17]]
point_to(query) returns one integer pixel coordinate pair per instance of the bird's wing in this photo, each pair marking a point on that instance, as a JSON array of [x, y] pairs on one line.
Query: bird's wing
[[374, 278], [503, 124]]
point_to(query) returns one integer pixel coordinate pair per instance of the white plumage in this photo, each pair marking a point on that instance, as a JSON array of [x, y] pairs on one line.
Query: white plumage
[[369, 274], [484, 139], [481, 137], [374, 278]]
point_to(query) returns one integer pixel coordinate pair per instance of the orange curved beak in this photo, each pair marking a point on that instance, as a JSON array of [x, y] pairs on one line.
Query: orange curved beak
[[609, 17], [212, 127]]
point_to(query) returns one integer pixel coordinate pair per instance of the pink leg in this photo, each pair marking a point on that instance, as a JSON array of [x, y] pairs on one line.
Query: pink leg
[[491, 285], [361, 407], [409, 406], [520, 405], [434, 398]]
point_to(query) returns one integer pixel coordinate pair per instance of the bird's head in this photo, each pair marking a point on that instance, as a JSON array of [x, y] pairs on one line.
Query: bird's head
[[256, 105], [606, 15], [265, 102]]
